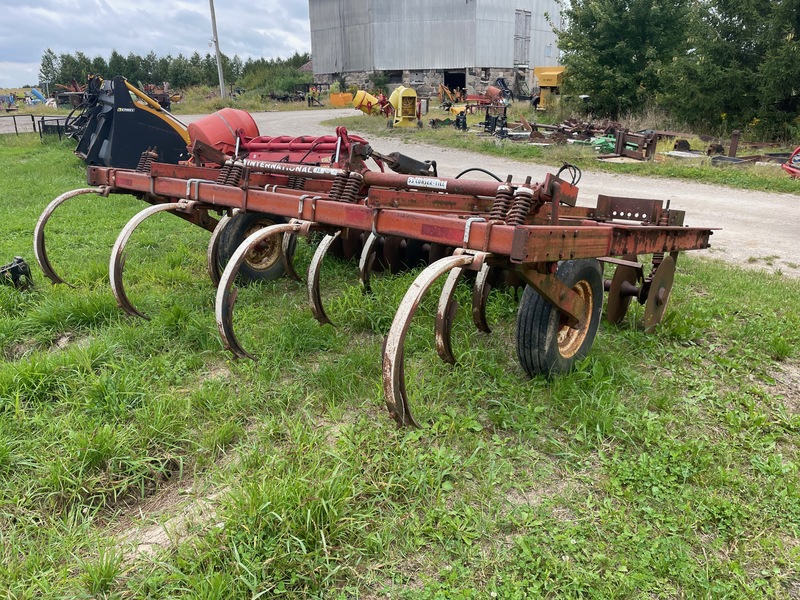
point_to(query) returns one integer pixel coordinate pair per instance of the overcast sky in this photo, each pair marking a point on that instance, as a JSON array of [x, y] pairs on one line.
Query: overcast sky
[[254, 28]]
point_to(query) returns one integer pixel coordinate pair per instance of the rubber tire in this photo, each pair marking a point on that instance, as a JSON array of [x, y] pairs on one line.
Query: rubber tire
[[236, 232], [538, 321]]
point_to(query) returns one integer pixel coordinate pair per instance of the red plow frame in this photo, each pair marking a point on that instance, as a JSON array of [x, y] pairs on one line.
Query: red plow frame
[[535, 231]]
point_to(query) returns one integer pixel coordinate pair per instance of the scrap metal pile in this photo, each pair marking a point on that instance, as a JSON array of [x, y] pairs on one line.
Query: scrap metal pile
[[256, 195]]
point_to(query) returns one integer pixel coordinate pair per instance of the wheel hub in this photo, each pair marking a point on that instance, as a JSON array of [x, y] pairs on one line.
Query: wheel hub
[[267, 253], [570, 339]]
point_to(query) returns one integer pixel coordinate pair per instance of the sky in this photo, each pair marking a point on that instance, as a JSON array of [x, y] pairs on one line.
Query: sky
[[251, 29]]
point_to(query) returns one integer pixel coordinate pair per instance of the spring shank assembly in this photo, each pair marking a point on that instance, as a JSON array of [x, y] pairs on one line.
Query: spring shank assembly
[[529, 229]]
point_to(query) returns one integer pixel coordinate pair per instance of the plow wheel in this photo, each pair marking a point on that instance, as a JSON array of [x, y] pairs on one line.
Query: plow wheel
[[401, 254], [546, 344], [658, 294], [415, 254], [437, 251], [265, 261], [623, 288]]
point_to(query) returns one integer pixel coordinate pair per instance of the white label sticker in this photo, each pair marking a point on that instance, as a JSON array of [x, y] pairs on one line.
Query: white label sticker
[[436, 184]]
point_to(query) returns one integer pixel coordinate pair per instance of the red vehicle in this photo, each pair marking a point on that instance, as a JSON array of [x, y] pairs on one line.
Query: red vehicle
[[792, 166]]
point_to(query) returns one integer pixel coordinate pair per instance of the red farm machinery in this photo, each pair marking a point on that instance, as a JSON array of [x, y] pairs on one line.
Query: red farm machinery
[[256, 195]]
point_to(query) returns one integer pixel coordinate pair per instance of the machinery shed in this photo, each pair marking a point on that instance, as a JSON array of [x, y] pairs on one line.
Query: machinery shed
[[368, 35]]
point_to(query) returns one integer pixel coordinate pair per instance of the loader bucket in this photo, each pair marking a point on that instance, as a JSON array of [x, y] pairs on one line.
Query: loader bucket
[[124, 122]]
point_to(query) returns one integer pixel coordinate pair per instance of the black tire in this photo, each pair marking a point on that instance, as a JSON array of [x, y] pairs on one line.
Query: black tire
[[259, 266], [545, 344]]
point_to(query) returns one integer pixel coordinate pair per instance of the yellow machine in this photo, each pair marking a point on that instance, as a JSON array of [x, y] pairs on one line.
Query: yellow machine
[[406, 113], [366, 102], [549, 80]]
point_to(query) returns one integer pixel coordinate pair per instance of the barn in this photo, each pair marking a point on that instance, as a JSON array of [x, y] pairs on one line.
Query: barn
[[464, 44]]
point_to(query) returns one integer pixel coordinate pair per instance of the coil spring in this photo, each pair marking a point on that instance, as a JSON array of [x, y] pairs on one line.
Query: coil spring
[[230, 174], [145, 160], [223, 174], [658, 257], [338, 186], [352, 188], [501, 204], [297, 183], [523, 198], [234, 175]]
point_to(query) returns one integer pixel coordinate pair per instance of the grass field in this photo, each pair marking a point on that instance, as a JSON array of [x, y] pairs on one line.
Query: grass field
[[137, 460]]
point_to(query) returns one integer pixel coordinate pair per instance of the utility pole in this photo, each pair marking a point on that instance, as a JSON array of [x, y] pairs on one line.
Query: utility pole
[[216, 47]]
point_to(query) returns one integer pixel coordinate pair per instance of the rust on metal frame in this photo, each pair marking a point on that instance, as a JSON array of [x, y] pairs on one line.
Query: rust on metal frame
[[526, 244]]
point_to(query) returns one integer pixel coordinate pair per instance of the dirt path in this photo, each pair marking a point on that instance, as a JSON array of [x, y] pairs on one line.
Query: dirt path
[[759, 229]]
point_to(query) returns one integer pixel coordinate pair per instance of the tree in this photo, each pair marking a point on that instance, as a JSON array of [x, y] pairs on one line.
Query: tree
[[778, 74], [179, 76], [49, 68], [134, 69], [99, 66], [712, 84], [614, 49], [210, 75], [161, 73], [195, 69], [75, 67], [741, 69], [275, 75], [150, 68], [236, 68], [116, 65]]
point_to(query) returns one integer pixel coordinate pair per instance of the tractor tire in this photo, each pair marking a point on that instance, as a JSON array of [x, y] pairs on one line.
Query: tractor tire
[[264, 263], [546, 345]]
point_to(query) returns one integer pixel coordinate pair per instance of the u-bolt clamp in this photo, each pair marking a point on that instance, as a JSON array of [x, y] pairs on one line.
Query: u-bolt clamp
[[468, 226], [196, 183]]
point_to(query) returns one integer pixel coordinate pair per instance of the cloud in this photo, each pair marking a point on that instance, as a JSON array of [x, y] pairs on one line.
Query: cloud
[[245, 28], [15, 75]]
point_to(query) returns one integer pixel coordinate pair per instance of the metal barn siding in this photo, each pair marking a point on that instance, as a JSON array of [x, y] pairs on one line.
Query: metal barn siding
[[393, 35], [414, 35], [496, 23], [426, 45], [341, 35], [544, 43], [494, 44]]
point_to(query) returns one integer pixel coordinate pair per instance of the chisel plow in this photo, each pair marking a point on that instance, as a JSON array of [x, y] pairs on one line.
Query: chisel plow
[[534, 232]]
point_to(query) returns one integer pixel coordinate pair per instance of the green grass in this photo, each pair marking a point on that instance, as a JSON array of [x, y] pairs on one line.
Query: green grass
[[665, 466], [763, 178]]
